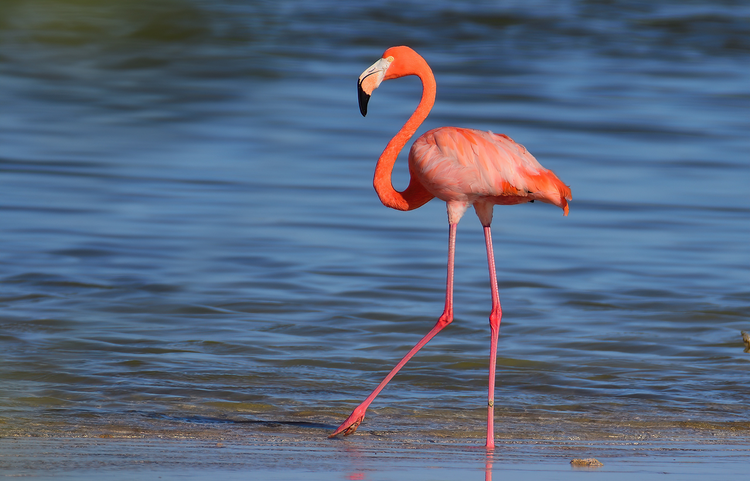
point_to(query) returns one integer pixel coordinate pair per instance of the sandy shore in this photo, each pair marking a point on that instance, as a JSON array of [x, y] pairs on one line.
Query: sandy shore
[[306, 454]]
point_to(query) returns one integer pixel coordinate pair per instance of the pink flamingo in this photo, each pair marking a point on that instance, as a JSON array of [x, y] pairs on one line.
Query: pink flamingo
[[462, 167]]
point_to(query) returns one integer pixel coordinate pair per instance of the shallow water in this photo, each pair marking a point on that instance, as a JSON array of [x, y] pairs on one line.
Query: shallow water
[[189, 232]]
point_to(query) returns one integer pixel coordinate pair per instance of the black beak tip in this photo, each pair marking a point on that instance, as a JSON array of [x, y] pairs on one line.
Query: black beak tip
[[363, 99]]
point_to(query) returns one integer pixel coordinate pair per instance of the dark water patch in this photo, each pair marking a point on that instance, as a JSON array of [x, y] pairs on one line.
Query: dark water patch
[[257, 422]]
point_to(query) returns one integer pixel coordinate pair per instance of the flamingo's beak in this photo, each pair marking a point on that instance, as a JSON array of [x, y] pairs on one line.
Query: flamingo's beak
[[370, 80], [363, 97]]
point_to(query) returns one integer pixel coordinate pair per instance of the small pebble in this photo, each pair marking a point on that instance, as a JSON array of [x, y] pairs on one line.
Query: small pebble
[[586, 463]]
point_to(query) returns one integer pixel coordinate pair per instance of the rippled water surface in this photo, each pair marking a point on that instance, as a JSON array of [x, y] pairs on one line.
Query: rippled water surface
[[188, 231]]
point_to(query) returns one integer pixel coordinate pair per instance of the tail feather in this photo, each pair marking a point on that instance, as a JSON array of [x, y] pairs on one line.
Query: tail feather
[[548, 188]]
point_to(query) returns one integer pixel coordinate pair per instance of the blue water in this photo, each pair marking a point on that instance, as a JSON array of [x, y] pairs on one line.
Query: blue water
[[188, 231]]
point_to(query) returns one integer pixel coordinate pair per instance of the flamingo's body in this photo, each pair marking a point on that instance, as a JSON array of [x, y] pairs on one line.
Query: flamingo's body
[[462, 167], [466, 166]]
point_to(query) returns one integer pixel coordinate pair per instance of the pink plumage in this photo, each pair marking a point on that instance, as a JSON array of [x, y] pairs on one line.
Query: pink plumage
[[462, 166]]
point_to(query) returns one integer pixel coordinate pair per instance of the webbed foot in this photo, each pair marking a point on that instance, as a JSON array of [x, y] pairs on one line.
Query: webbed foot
[[351, 424]]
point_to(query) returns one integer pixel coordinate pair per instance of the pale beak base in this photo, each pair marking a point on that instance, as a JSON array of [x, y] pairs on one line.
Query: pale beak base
[[370, 80]]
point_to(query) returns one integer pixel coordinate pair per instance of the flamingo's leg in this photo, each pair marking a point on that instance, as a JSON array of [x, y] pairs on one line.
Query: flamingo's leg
[[495, 317], [353, 421]]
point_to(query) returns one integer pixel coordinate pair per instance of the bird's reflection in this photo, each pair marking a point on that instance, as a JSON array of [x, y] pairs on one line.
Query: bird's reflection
[[355, 459], [359, 463]]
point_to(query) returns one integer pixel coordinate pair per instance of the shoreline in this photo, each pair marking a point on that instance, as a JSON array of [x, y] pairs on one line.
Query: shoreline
[[306, 454]]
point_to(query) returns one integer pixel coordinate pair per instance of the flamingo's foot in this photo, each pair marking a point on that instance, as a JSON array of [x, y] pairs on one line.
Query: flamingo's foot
[[351, 424]]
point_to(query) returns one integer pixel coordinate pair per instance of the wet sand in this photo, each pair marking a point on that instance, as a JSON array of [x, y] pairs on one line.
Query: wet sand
[[281, 452]]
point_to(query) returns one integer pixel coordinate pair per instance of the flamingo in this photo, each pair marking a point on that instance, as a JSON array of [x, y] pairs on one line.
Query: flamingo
[[463, 167]]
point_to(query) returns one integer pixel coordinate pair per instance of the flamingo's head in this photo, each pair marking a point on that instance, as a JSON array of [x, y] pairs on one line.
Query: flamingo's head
[[396, 62], [370, 80]]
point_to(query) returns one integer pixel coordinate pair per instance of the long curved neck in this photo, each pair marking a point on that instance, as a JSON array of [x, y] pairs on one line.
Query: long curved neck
[[415, 194]]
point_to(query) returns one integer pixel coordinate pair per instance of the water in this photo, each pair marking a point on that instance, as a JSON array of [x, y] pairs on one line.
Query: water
[[190, 238]]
